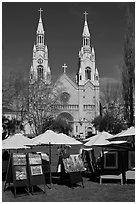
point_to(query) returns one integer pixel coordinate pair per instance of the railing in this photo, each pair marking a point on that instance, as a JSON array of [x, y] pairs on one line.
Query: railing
[[89, 107], [66, 107]]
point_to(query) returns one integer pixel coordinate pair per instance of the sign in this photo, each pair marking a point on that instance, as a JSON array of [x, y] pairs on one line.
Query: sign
[[73, 164]]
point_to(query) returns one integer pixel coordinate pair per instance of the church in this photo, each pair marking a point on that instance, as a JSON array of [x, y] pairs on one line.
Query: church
[[79, 100]]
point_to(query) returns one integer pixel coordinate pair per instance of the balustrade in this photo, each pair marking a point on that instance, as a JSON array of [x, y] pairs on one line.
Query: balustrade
[[66, 107]]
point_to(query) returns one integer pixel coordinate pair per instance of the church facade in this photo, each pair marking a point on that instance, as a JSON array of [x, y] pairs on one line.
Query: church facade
[[79, 100]]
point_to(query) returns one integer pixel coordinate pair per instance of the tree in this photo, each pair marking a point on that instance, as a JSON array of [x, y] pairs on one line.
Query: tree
[[111, 92], [48, 123], [42, 104], [61, 125], [7, 92], [128, 70], [35, 103], [112, 119], [109, 122], [21, 85], [15, 93], [10, 126]]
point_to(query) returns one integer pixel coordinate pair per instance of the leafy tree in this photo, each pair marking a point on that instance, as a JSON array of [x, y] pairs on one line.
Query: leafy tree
[[111, 93], [47, 123], [61, 125], [111, 119], [10, 126], [109, 122], [128, 70]]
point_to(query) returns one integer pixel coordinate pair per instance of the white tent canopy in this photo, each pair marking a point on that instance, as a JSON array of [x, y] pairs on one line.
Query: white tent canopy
[[126, 133], [17, 141], [99, 139], [50, 137]]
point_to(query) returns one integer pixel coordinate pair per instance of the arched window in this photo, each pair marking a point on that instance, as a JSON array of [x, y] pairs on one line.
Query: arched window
[[96, 77], [88, 73], [40, 72], [31, 76], [86, 41]]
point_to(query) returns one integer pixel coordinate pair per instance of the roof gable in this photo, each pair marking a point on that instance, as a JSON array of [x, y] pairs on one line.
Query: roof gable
[[64, 76]]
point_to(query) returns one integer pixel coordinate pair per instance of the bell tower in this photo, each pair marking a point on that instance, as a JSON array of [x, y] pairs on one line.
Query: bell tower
[[87, 70], [40, 69]]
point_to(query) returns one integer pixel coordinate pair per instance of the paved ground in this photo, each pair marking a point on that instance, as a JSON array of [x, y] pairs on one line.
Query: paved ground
[[92, 191]]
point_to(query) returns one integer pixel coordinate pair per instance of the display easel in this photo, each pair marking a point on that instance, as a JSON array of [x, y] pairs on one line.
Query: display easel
[[17, 172], [88, 162], [74, 175], [36, 176]]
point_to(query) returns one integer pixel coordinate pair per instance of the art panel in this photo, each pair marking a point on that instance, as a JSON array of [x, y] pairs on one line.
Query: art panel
[[34, 158], [19, 159], [36, 170], [20, 172], [73, 164]]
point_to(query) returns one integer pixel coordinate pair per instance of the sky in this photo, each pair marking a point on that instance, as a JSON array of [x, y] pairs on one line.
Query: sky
[[63, 24]]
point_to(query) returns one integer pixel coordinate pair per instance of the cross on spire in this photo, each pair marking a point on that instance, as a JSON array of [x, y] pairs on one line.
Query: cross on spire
[[85, 13], [64, 67], [40, 10]]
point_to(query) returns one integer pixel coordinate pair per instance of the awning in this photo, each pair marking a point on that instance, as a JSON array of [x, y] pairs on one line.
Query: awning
[[17, 141], [50, 137]]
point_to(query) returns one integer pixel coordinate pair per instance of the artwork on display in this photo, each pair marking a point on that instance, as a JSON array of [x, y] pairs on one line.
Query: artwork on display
[[73, 164], [19, 159], [36, 170], [34, 158], [20, 172]]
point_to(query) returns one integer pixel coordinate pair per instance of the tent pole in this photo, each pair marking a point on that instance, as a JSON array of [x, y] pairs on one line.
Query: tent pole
[[50, 164], [8, 169]]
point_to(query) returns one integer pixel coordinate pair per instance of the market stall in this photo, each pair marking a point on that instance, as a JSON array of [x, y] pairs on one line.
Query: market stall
[[50, 138]]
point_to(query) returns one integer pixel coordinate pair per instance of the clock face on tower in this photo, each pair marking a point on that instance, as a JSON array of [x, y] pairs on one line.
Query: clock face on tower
[[40, 61]]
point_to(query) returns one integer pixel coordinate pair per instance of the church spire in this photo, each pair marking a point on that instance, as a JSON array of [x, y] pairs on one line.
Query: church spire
[[40, 64], [86, 30], [40, 33], [86, 57], [86, 33], [40, 29]]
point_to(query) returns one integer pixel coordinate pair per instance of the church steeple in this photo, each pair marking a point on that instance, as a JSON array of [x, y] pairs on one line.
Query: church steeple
[[40, 31], [86, 30], [86, 33], [87, 68], [40, 64]]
